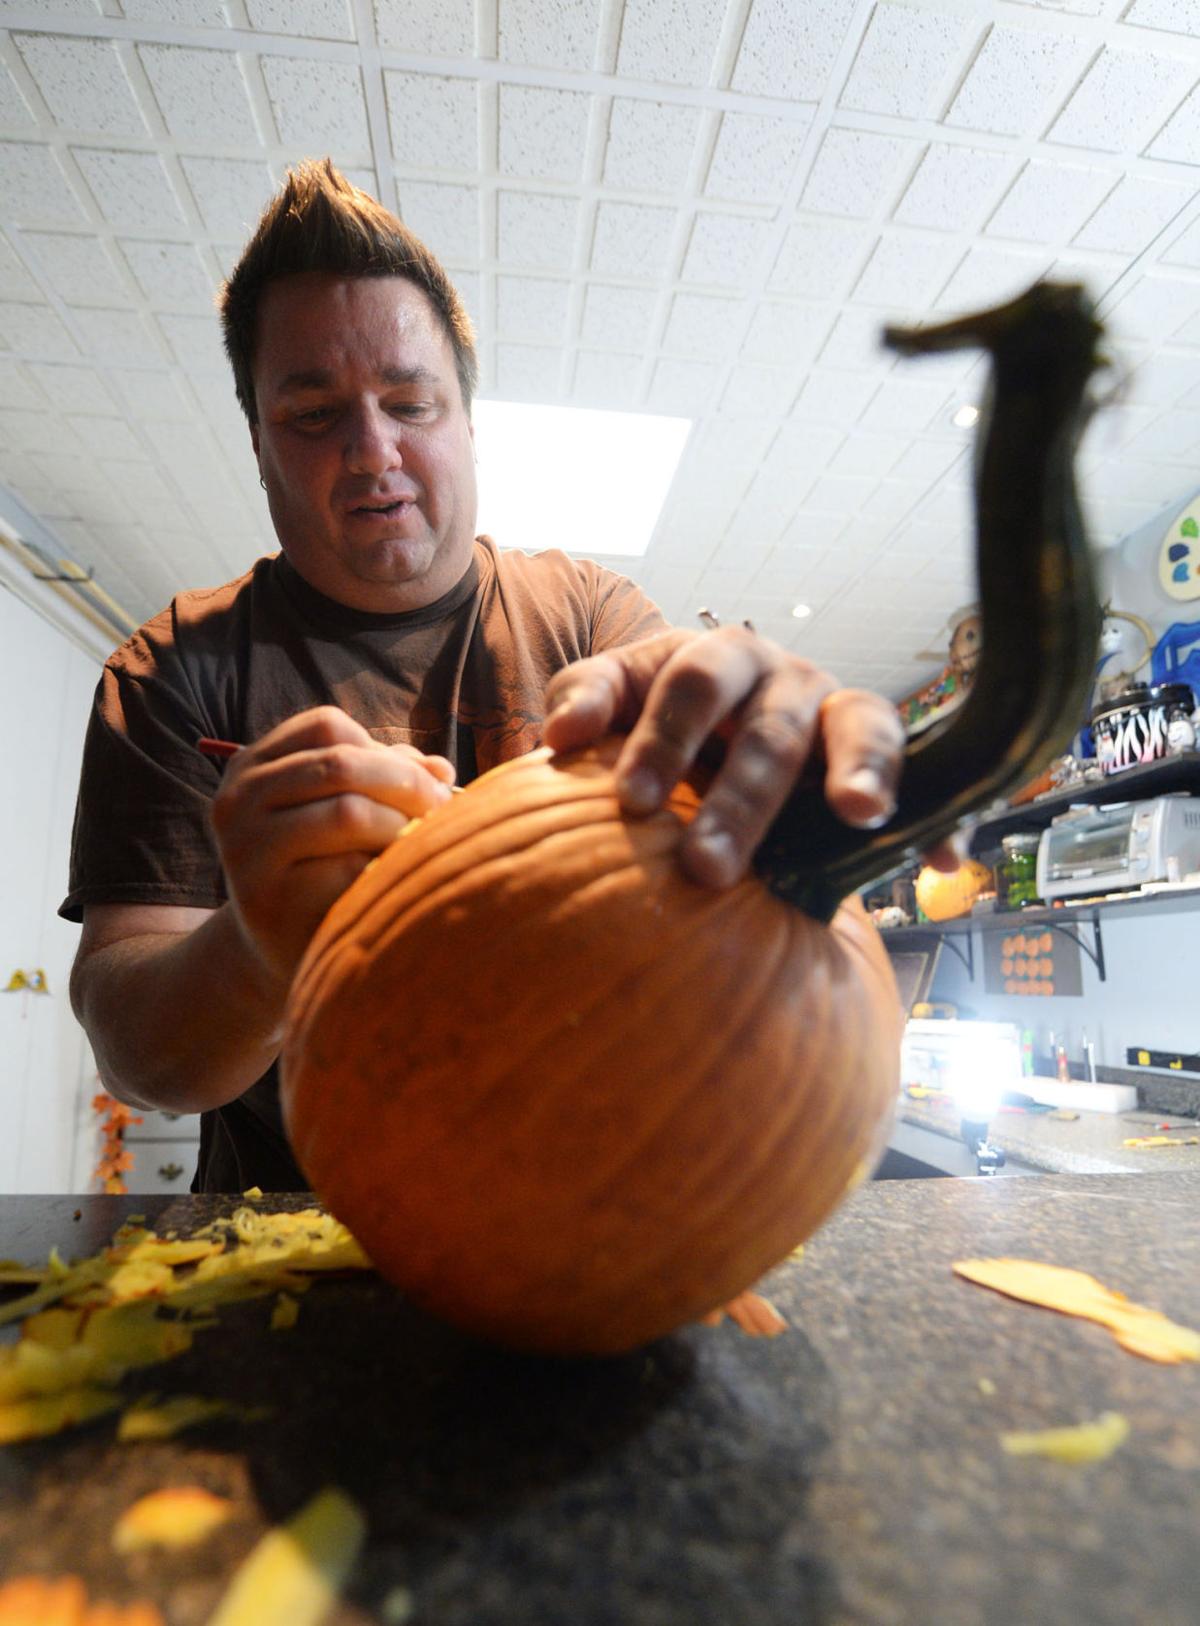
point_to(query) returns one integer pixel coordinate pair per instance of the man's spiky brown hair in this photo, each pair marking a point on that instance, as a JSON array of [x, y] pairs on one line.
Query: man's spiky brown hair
[[319, 222]]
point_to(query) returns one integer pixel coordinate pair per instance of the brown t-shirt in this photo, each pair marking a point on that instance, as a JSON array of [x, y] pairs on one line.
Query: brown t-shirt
[[464, 678]]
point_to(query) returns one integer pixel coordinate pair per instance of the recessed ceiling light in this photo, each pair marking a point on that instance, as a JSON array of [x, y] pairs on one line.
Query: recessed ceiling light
[[586, 481], [965, 417], [802, 611]]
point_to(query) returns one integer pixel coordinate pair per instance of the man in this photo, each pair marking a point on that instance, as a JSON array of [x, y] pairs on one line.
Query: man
[[383, 653]]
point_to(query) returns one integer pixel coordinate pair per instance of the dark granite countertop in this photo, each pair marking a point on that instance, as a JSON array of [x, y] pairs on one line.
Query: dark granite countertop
[[847, 1473]]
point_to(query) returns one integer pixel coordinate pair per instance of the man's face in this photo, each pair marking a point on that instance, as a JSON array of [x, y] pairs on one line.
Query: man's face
[[362, 439]]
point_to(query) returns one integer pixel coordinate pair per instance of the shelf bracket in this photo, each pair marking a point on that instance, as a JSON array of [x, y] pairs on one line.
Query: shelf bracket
[[1074, 931], [947, 940]]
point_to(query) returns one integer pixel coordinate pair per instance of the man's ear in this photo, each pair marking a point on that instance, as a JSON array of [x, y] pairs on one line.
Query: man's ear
[[254, 439]]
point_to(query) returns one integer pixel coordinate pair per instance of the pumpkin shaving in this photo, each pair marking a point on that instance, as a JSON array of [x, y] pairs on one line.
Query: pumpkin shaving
[[1082, 1442], [179, 1517], [1136, 1328], [32, 1600], [296, 1573]]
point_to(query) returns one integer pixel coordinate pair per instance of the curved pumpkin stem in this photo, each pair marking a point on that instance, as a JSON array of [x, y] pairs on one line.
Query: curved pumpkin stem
[[1041, 617]]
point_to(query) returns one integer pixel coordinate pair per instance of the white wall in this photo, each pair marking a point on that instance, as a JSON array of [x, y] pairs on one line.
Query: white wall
[[47, 1134], [1151, 996]]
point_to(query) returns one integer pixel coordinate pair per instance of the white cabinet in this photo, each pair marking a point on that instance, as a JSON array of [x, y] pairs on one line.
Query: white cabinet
[[46, 1074]]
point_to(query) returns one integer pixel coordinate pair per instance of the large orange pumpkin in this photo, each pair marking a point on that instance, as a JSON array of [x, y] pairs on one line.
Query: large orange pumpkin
[[566, 1098]]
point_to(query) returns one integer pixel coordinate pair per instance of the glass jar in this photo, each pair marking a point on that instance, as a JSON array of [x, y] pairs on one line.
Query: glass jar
[[1018, 870]]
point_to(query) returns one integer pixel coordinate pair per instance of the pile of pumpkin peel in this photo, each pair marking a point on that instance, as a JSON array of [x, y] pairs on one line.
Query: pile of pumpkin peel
[[141, 1301]]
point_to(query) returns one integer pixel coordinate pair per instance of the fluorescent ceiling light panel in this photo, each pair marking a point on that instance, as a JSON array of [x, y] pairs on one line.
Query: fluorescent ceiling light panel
[[585, 481]]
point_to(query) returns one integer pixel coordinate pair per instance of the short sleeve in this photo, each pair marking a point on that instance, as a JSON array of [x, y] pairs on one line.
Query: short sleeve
[[623, 613], [141, 832]]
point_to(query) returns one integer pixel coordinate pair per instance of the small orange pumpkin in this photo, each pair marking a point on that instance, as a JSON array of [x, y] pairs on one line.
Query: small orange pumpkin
[[945, 896], [566, 1098]]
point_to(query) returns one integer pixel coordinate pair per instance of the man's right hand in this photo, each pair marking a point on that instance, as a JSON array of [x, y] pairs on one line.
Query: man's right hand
[[300, 814]]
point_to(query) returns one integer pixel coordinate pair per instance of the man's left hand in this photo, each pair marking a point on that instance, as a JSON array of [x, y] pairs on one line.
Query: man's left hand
[[775, 712]]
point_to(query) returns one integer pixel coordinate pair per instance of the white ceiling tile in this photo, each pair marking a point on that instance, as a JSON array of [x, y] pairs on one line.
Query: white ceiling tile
[[905, 403], [764, 392], [318, 105], [15, 280], [314, 19], [833, 397], [426, 27], [527, 372], [723, 249], [195, 341], [928, 460], [444, 216], [533, 308], [856, 341], [858, 172], [536, 230], [58, 8], [83, 83], [33, 187], [1049, 202], [1174, 16], [434, 121], [1185, 250], [685, 388], [1162, 380], [668, 41], [106, 437], [79, 269], [811, 530], [151, 394], [905, 61], [632, 239], [553, 36], [1119, 104], [885, 509], [14, 109], [990, 275], [1172, 437], [21, 388], [619, 318], [170, 275], [35, 330], [200, 91], [820, 259], [866, 454], [75, 389], [230, 194], [1189, 334], [650, 145], [1179, 138], [1016, 80], [788, 50], [785, 334], [36, 431], [703, 327], [1155, 307], [131, 189], [542, 132], [1133, 215], [120, 336], [755, 157], [189, 13], [606, 380], [906, 271], [725, 443], [803, 448], [954, 188]]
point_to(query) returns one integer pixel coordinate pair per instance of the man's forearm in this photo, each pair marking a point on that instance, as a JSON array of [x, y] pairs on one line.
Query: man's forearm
[[179, 1021]]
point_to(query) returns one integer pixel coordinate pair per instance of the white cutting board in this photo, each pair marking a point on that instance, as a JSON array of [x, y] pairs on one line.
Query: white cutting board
[[1053, 1092]]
